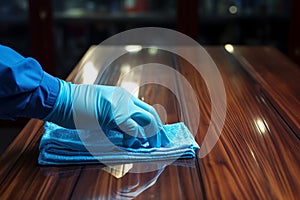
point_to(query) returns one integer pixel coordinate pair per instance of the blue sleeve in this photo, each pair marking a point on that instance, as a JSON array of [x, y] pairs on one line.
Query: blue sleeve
[[25, 89]]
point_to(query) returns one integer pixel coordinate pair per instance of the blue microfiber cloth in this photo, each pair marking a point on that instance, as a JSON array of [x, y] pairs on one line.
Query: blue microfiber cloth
[[61, 146]]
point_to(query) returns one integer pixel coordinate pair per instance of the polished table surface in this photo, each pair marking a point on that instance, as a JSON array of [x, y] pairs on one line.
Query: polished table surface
[[256, 157]]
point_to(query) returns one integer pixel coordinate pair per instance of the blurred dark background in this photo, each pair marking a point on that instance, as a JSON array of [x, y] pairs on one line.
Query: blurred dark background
[[59, 32]]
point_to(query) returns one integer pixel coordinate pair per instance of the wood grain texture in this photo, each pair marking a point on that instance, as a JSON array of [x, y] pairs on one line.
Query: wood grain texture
[[257, 154], [256, 157], [266, 66]]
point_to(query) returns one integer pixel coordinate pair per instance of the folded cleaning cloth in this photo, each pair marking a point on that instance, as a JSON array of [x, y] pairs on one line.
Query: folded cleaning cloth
[[61, 146]]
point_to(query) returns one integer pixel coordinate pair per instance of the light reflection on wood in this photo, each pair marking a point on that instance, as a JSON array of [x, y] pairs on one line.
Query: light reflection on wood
[[256, 157]]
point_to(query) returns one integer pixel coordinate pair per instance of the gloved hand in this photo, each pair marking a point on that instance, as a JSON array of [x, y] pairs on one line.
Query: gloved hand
[[113, 108]]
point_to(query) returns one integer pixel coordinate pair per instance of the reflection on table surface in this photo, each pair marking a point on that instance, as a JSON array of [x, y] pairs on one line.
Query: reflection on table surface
[[131, 179]]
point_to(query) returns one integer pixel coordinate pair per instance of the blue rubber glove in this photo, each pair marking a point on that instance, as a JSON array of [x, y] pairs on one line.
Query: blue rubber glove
[[113, 108]]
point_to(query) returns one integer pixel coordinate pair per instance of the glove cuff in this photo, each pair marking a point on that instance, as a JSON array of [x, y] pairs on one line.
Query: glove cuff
[[61, 113]]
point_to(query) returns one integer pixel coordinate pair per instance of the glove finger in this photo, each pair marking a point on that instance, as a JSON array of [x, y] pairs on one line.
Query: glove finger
[[154, 130], [140, 116], [149, 109], [149, 123], [133, 133]]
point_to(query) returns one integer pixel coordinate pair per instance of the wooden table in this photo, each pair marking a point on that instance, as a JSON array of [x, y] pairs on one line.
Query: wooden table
[[256, 157]]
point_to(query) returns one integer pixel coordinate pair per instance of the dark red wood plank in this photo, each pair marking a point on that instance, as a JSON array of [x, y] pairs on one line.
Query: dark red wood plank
[[279, 78], [256, 156]]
